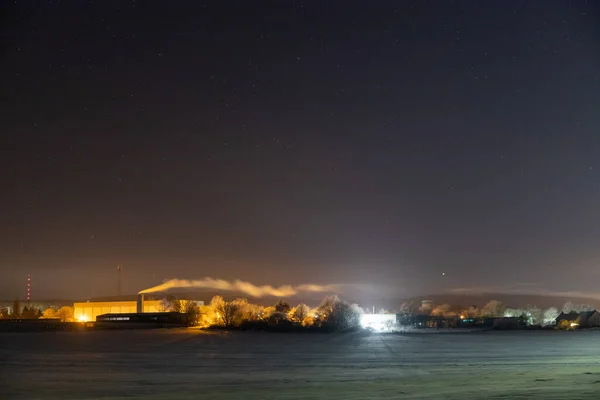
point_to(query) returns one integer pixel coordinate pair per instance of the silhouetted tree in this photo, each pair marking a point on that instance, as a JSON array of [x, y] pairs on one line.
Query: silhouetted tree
[[571, 307], [514, 312], [16, 309], [410, 307], [243, 312], [255, 312], [267, 312], [282, 307], [470, 312], [443, 310], [189, 308], [300, 313], [50, 313], [30, 313], [230, 313], [550, 315], [534, 315], [65, 313], [493, 308], [218, 305], [166, 304], [336, 314], [227, 312]]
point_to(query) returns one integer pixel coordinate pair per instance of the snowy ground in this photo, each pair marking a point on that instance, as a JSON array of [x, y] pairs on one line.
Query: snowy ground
[[186, 364]]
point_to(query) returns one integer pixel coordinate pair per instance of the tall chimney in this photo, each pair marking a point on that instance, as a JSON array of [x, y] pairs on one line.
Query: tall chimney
[[140, 303]]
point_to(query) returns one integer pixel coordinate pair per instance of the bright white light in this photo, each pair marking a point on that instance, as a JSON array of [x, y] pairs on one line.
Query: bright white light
[[378, 322], [83, 318], [574, 324]]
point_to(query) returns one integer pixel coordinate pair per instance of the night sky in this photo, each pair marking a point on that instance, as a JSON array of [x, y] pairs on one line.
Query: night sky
[[380, 142]]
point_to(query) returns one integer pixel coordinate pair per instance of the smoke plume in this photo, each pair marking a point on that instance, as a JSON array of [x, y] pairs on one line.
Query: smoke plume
[[241, 286]]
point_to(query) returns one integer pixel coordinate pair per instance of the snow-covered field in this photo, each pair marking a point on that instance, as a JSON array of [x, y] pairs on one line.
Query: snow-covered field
[[188, 364]]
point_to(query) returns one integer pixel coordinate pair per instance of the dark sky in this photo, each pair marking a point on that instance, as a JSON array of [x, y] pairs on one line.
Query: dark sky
[[379, 142]]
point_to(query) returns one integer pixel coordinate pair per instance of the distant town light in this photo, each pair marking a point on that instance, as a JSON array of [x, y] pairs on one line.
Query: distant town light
[[378, 322]]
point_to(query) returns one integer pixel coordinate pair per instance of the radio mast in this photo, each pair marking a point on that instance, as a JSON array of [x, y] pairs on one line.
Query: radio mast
[[119, 269]]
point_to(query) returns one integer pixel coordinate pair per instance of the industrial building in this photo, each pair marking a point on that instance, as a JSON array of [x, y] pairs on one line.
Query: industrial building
[[141, 320], [90, 310]]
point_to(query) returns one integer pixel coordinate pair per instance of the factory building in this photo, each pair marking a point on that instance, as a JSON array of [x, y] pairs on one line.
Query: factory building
[[141, 320], [90, 310]]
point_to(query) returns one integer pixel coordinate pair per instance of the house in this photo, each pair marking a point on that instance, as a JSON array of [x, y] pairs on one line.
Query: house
[[426, 321], [567, 319], [508, 323], [589, 318], [584, 319]]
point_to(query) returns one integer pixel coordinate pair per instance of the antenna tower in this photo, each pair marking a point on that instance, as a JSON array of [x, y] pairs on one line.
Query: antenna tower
[[119, 269]]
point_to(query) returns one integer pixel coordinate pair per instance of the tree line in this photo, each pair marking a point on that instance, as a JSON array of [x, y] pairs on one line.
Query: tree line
[[531, 314], [65, 313], [331, 314]]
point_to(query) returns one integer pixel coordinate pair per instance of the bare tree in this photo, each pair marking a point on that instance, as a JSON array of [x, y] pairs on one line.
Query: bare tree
[[409, 307], [268, 312], [569, 307], [300, 313], [217, 304], [50, 313], [534, 315], [514, 312], [326, 307], [425, 310], [493, 308], [227, 312], [207, 316], [230, 313], [243, 312], [189, 308], [336, 314], [443, 310], [470, 312], [31, 313], [66, 314], [255, 312], [550, 315], [166, 304], [16, 309], [282, 307]]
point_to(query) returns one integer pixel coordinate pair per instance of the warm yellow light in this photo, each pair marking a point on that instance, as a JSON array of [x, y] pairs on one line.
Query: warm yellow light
[[83, 318], [461, 317], [573, 324]]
